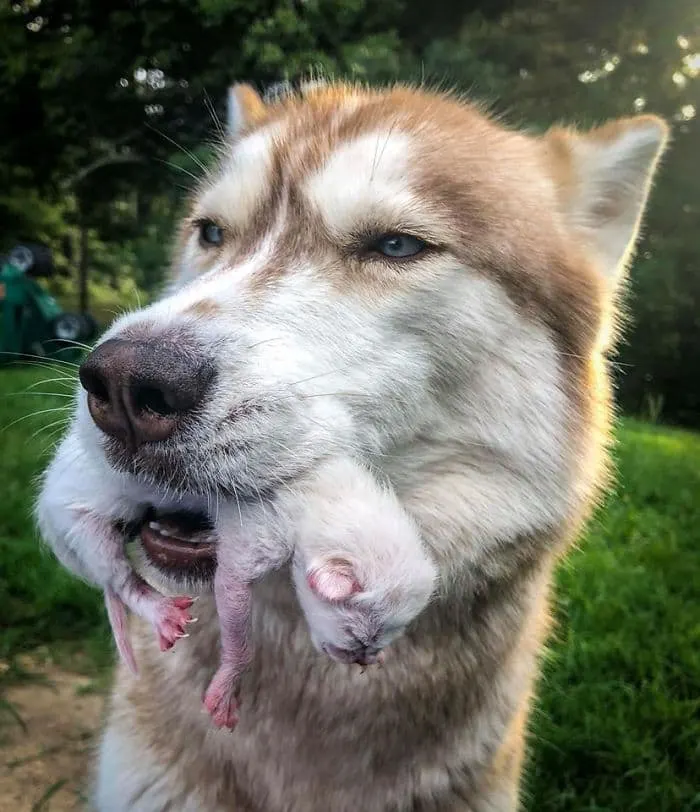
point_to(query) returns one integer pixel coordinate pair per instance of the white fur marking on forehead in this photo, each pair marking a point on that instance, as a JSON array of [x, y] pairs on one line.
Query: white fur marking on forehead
[[227, 285], [244, 179], [363, 178]]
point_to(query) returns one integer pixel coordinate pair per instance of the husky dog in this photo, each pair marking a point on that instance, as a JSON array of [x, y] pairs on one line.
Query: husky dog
[[392, 277]]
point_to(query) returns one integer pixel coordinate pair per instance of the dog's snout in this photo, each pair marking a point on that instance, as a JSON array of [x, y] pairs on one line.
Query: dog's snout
[[140, 390]]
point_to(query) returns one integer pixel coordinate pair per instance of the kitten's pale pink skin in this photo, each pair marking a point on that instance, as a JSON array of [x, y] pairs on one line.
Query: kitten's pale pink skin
[[169, 617], [333, 582], [99, 550]]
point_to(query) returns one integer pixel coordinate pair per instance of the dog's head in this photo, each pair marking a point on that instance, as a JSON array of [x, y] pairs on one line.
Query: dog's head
[[366, 270]]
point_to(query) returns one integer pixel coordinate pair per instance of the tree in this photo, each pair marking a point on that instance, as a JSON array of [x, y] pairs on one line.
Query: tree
[[93, 89], [109, 107]]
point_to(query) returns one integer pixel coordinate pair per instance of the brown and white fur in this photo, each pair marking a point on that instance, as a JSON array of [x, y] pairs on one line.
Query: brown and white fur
[[472, 376]]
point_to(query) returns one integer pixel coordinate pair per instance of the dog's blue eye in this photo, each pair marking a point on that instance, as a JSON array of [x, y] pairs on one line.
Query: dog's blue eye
[[210, 233], [399, 246]]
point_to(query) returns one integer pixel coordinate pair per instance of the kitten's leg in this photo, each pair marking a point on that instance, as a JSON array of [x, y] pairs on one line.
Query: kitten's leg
[[101, 550], [233, 603], [116, 612], [252, 542]]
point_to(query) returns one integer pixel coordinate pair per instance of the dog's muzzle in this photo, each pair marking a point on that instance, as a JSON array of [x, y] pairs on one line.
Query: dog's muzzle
[[140, 393]]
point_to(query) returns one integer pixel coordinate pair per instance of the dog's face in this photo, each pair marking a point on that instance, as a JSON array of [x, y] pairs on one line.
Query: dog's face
[[368, 268]]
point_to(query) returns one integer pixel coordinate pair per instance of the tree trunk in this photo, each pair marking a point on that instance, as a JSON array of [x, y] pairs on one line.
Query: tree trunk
[[83, 262]]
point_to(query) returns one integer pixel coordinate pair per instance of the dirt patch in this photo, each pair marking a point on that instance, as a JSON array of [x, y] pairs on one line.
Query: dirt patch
[[47, 736]]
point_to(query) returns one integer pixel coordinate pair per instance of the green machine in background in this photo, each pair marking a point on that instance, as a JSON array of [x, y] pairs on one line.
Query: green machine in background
[[32, 322]]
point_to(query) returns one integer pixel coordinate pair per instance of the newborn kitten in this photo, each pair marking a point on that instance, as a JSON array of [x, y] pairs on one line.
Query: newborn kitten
[[359, 566]]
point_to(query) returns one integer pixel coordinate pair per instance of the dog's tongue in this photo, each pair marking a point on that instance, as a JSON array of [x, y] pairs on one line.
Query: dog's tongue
[[179, 541]]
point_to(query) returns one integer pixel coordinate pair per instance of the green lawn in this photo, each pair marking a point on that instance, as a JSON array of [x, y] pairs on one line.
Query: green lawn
[[617, 727], [41, 603]]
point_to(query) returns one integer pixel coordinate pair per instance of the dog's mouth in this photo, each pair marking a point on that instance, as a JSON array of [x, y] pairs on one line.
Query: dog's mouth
[[180, 543]]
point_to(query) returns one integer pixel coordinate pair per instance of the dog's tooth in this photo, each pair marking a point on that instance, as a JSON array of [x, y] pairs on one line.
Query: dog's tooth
[[178, 536]]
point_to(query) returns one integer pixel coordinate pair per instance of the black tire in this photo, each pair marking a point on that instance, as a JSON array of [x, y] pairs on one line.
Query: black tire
[[34, 259], [68, 327], [22, 258]]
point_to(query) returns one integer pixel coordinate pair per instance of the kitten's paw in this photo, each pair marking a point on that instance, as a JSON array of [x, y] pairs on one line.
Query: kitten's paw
[[220, 699], [171, 620]]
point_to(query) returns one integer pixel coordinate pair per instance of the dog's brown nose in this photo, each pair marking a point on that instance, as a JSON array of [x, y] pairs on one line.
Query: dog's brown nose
[[139, 391]]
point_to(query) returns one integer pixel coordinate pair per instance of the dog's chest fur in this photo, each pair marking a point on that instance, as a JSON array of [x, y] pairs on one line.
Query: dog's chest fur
[[419, 734]]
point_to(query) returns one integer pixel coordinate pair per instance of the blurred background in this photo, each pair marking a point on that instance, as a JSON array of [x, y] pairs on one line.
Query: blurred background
[[108, 115], [103, 101]]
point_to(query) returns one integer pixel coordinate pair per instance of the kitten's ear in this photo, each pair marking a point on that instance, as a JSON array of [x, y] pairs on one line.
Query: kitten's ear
[[603, 177], [245, 108], [333, 580]]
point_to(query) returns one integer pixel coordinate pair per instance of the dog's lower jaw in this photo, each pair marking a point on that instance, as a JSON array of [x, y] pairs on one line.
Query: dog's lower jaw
[[439, 727]]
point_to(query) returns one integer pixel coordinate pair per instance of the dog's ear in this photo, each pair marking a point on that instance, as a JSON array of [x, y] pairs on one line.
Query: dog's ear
[[603, 178], [245, 108]]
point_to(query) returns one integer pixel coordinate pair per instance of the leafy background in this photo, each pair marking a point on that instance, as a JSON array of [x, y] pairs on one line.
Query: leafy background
[[128, 89]]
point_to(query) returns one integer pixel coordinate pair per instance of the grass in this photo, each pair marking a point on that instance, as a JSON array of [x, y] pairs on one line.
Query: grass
[[617, 723], [41, 603], [618, 720]]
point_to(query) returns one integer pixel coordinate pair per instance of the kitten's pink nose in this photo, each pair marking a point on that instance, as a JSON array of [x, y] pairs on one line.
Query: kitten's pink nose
[[139, 391], [361, 655]]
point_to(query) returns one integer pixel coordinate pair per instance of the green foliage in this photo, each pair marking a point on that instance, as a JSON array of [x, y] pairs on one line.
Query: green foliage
[[102, 107], [41, 602], [107, 299], [617, 723], [24, 212]]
